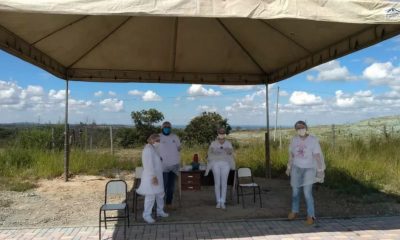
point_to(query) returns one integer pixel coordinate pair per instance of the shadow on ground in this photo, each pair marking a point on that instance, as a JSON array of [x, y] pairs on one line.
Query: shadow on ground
[[196, 215]]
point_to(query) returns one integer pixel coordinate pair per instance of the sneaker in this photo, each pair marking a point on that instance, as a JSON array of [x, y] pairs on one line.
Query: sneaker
[[149, 219], [310, 220], [292, 216], [162, 214], [218, 205], [223, 206]]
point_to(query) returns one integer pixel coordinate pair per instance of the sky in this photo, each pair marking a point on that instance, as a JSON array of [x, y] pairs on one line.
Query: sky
[[359, 86]]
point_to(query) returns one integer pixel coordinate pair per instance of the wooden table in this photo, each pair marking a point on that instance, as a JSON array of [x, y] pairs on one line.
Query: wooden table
[[193, 180]]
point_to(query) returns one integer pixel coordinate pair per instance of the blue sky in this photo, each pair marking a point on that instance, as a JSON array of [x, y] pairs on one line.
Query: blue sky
[[361, 85]]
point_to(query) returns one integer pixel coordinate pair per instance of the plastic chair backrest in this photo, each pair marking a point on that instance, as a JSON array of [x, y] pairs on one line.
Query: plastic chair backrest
[[138, 172], [244, 172], [116, 187]]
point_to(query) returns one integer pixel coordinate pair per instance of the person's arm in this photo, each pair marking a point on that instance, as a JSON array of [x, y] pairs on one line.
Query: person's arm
[[320, 163], [178, 143], [290, 160], [147, 160]]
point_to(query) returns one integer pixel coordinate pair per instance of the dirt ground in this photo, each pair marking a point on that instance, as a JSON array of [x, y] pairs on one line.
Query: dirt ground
[[77, 202]]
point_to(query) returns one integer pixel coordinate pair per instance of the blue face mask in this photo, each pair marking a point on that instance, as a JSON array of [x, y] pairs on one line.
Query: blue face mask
[[166, 131]]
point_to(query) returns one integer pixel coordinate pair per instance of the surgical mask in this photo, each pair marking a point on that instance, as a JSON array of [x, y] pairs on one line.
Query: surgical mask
[[156, 144], [221, 136], [166, 131], [301, 132]]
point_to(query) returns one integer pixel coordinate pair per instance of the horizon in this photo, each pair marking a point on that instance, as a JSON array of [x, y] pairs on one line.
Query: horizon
[[180, 126]]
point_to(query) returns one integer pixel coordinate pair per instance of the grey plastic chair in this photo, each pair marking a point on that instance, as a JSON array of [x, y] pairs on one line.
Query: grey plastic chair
[[246, 173], [115, 189]]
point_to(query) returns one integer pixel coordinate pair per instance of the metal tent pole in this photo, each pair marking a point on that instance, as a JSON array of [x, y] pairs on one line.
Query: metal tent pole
[[267, 147], [66, 135]]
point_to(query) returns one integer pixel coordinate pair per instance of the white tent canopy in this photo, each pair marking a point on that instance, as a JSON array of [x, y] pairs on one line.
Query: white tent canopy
[[190, 41]]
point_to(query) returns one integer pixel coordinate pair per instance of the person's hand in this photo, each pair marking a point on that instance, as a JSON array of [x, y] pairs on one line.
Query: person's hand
[[228, 151], [320, 176], [154, 181], [288, 171]]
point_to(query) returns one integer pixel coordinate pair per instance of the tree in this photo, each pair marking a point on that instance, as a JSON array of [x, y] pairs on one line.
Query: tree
[[146, 117], [203, 129], [144, 121]]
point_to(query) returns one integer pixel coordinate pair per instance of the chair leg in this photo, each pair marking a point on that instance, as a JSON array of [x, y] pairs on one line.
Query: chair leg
[[241, 191], [254, 195], [259, 194], [100, 225], [135, 207], [125, 228], [127, 214], [133, 200], [105, 219]]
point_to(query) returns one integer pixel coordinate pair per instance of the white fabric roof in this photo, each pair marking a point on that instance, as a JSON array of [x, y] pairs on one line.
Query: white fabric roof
[[178, 41]]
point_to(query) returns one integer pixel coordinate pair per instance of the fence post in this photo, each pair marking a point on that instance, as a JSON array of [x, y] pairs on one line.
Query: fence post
[[91, 141], [333, 136], [111, 140], [52, 139]]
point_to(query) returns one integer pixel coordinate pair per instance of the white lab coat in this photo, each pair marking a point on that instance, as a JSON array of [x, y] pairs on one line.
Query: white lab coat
[[215, 153], [152, 166]]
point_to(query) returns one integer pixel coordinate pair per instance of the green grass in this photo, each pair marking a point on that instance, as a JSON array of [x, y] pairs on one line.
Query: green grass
[[357, 166], [21, 168]]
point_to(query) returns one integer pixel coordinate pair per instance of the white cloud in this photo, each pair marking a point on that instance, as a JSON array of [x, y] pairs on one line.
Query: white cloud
[[383, 74], [34, 99], [98, 94], [304, 98], [283, 93], [112, 105], [112, 94], [135, 92], [205, 108], [57, 95], [331, 71], [150, 96], [360, 99], [197, 90]]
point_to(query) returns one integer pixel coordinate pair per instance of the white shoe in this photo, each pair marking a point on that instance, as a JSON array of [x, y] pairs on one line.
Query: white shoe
[[218, 205], [149, 219], [162, 214], [223, 206]]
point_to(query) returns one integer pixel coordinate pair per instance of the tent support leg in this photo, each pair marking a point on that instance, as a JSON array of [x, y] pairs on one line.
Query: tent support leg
[[66, 135], [267, 147]]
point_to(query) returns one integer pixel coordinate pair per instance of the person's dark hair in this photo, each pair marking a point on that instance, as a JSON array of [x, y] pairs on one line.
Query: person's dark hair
[[301, 123], [166, 123]]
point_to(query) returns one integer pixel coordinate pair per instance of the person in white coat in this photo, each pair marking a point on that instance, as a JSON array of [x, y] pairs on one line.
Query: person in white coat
[[151, 185], [220, 160], [306, 166]]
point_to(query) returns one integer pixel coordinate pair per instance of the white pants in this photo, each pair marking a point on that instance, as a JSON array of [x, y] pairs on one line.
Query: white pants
[[149, 203], [220, 171]]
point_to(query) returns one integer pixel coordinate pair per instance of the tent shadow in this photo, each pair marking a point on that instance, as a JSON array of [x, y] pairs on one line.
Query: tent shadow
[[252, 221]]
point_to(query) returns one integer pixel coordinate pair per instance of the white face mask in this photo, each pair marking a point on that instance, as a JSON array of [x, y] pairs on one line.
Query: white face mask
[[221, 136], [301, 132], [156, 144]]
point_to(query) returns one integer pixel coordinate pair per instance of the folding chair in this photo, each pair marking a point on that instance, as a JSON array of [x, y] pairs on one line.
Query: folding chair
[[136, 184], [249, 184], [115, 200]]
